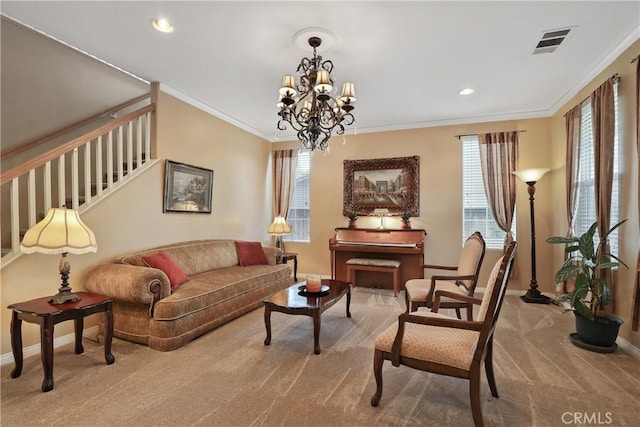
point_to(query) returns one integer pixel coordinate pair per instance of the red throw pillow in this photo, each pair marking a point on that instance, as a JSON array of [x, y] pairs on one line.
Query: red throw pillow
[[251, 253], [162, 261]]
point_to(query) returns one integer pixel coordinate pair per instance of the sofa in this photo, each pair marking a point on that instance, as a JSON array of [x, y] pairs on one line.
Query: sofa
[[166, 296]]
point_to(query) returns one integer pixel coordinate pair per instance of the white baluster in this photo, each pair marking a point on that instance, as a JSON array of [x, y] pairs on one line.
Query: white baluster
[[99, 166], [74, 179], [110, 159], [147, 137], [15, 215], [139, 142], [31, 198], [46, 178], [87, 173], [129, 147], [62, 190], [119, 157]]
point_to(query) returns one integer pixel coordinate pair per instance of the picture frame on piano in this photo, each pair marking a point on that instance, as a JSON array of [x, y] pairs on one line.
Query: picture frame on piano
[[392, 183]]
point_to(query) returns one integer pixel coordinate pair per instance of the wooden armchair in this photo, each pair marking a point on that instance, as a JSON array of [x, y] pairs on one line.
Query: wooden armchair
[[420, 292], [433, 342]]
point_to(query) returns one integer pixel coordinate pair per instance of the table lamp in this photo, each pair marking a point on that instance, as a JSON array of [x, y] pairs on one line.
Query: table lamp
[[60, 232], [279, 228], [381, 213]]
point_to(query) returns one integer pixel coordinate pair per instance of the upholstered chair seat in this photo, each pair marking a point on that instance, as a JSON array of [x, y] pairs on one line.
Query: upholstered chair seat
[[462, 280], [447, 346]]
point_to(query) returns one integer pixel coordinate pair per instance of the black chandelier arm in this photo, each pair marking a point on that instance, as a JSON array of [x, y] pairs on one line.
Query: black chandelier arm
[[315, 114]]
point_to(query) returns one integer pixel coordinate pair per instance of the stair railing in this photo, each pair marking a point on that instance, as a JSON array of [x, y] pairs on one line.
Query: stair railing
[[88, 167]]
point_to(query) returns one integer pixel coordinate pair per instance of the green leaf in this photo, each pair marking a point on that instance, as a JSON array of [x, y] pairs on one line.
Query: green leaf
[[605, 265], [565, 272], [586, 245], [570, 249], [560, 239], [618, 259], [613, 228], [582, 309]]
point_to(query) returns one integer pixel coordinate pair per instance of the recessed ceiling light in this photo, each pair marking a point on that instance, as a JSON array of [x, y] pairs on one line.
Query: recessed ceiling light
[[161, 24], [466, 91]]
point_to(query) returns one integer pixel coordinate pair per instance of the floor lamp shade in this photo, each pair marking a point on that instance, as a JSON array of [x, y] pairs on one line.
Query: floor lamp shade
[[531, 175], [60, 232]]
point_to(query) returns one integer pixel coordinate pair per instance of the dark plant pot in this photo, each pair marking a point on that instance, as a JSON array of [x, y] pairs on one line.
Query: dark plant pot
[[601, 333], [406, 224], [352, 223]]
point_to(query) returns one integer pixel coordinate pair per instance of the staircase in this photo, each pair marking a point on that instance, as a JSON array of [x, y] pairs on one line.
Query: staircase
[[76, 174]]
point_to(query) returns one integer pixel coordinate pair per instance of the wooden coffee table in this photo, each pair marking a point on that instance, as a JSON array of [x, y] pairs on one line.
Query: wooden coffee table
[[289, 301]]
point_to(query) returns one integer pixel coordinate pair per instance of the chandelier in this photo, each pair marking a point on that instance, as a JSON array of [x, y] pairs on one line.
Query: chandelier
[[309, 106]]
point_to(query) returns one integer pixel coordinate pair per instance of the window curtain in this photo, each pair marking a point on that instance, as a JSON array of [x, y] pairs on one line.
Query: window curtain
[[284, 174], [635, 325], [573, 120], [602, 105], [498, 159]]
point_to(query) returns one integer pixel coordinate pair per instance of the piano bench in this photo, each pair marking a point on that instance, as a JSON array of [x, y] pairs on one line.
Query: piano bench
[[380, 265]]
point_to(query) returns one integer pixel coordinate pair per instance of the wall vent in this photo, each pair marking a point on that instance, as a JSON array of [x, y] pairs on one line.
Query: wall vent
[[551, 40]]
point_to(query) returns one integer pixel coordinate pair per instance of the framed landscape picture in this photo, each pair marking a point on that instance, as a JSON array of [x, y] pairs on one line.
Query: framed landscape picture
[[187, 189], [391, 184]]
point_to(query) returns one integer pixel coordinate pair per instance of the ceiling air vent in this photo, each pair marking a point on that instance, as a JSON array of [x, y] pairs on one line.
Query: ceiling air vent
[[551, 40]]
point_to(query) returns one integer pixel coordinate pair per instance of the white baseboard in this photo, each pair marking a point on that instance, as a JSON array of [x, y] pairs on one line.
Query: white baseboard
[[89, 333], [626, 345]]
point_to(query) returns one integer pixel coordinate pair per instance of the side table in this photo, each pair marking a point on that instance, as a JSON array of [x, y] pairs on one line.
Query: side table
[[45, 314], [288, 256]]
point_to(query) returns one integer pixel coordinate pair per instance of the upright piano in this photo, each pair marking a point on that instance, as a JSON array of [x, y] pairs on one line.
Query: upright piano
[[404, 245]]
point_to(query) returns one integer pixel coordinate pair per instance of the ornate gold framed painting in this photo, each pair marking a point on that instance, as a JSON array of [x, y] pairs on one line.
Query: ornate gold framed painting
[[392, 184]]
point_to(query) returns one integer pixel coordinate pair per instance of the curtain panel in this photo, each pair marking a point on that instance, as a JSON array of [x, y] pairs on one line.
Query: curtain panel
[[602, 105], [284, 174], [499, 159], [635, 316], [573, 123]]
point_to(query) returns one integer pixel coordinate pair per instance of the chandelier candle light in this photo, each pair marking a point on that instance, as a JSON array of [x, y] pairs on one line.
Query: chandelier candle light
[[530, 177], [309, 107]]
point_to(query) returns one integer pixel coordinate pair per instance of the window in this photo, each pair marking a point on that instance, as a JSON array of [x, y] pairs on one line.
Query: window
[[476, 213], [298, 217], [586, 203]]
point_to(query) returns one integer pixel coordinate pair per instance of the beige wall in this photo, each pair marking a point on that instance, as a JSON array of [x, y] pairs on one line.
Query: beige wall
[[132, 217], [440, 194], [629, 237]]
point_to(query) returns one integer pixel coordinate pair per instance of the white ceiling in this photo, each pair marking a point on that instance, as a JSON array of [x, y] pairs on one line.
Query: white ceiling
[[407, 59]]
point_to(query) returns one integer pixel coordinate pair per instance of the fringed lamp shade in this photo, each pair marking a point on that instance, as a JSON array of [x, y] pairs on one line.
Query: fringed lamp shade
[[279, 228], [60, 232]]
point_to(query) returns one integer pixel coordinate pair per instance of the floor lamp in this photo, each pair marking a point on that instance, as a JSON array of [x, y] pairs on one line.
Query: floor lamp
[[530, 177]]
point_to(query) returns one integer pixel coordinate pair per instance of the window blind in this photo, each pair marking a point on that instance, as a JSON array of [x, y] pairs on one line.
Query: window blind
[[476, 213], [586, 203], [298, 216]]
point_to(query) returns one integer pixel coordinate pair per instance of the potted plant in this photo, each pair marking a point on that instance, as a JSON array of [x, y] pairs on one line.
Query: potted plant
[[352, 219], [585, 264], [406, 219]]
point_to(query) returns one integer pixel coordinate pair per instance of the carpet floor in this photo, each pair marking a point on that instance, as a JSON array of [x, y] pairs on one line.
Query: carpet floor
[[229, 378]]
